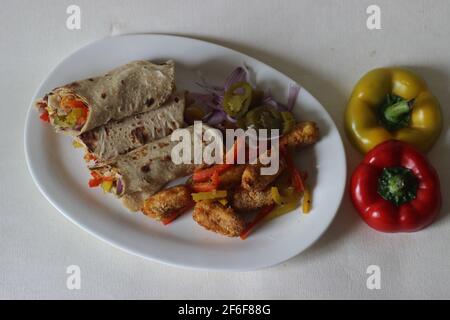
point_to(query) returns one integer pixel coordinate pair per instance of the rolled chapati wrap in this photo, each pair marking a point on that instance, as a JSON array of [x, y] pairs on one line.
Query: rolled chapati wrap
[[134, 88], [144, 171], [105, 143]]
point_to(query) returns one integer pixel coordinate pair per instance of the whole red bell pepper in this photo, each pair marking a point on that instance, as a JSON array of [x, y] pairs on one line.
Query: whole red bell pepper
[[395, 188]]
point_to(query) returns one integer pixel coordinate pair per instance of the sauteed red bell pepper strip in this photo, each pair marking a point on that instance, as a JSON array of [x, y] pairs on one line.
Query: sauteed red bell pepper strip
[[176, 214], [75, 113], [45, 116], [96, 180], [200, 177], [211, 185], [260, 217], [90, 157], [73, 103], [42, 106], [297, 179], [395, 188], [206, 174]]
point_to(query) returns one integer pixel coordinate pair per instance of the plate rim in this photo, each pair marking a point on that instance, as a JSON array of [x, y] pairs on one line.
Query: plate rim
[[125, 247]]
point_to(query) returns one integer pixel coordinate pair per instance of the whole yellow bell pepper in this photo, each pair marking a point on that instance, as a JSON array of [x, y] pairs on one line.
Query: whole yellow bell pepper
[[392, 103]]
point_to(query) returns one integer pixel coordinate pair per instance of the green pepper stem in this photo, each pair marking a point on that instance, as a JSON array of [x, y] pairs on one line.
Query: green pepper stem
[[394, 113], [398, 185]]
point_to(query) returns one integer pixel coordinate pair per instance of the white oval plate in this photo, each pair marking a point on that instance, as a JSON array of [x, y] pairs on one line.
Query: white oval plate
[[61, 175]]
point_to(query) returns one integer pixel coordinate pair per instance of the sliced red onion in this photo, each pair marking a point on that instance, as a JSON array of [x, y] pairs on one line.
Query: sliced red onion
[[269, 99], [238, 75], [231, 119], [218, 101], [213, 99], [205, 118], [217, 117], [119, 188], [294, 90], [209, 88], [250, 78]]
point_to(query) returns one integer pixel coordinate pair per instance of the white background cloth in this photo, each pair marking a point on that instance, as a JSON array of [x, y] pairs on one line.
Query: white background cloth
[[324, 45]]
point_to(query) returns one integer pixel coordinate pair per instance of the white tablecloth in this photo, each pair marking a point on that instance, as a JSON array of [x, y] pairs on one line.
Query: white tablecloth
[[324, 45]]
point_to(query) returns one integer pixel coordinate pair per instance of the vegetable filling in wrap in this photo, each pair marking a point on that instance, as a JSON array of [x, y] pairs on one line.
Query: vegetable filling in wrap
[[105, 143], [136, 87]]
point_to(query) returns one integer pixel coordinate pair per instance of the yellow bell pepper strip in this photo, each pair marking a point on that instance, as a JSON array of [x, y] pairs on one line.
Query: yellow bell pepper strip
[[282, 200], [392, 103], [212, 195], [306, 205], [276, 196], [98, 180], [107, 185], [284, 209], [76, 144]]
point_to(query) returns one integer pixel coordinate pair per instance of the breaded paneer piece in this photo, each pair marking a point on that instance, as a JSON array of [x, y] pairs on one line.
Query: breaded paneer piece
[[167, 201], [218, 218], [252, 179], [303, 134], [232, 177], [245, 200]]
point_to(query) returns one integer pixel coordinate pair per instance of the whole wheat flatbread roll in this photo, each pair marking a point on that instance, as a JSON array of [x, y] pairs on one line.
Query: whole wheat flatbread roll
[[118, 137], [134, 88], [146, 170]]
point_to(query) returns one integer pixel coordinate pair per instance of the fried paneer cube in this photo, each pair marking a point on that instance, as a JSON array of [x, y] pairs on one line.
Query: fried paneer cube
[[232, 177], [218, 218], [252, 179], [247, 200], [165, 202], [303, 134]]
